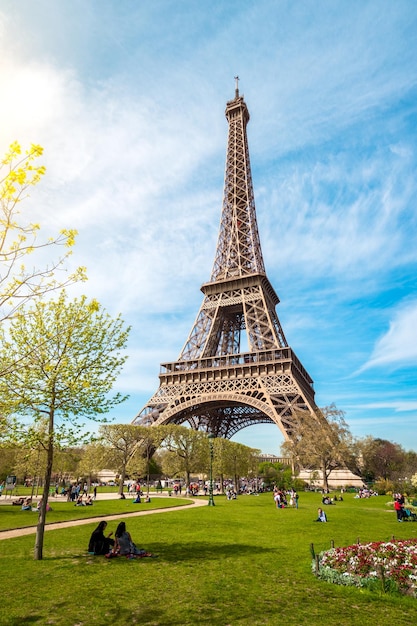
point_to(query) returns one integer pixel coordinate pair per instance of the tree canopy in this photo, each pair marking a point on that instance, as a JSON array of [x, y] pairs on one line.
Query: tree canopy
[[322, 441], [188, 448], [383, 460]]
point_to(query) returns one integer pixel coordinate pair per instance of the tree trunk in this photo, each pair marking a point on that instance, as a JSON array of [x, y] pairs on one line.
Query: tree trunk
[[325, 481], [147, 471], [236, 484], [40, 530], [122, 477]]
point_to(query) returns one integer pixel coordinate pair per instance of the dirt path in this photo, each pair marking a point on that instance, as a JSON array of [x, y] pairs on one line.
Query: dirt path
[[31, 530]]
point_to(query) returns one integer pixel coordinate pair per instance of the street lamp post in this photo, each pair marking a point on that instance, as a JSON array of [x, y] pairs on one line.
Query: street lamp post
[[211, 499]]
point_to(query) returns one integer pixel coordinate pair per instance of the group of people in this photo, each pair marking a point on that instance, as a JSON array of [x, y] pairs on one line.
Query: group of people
[[73, 492], [366, 493], [88, 501], [285, 498], [121, 545], [230, 493], [403, 513], [26, 504], [138, 499], [328, 500]]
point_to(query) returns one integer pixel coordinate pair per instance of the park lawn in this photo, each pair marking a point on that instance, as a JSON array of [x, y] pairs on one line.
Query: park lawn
[[62, 511], [21, 490], [242, 562]]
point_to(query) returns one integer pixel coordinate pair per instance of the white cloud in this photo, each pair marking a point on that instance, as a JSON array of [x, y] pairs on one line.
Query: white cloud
[[398, 346], [400, 406], [345, 216]]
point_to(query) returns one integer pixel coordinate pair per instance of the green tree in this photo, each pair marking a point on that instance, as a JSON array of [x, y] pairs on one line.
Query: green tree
[[321, 442], [66, 463], [8, 454], [276, 474], [30, 462], [221, 460], [382, 459], [121, 447], [234, 460], [150, 440], [94, 458], [188, 450], [64, 358]]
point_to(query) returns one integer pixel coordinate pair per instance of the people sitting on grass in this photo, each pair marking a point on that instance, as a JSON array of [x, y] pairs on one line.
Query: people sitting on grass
[[321, 516], [137, 500], [124, 545], [366, 493], [18, 502], [79, 501], [99, 543], [409, 515], [39, 506], [89, 501], [27, 504], [231, 493], [326, 500]]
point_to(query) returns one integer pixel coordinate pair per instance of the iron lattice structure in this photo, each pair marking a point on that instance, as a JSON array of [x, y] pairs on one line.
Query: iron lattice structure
[[236, 368]]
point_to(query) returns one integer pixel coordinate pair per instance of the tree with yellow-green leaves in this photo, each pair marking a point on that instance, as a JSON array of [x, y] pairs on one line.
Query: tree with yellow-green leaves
[[61, 359], [20, 278]]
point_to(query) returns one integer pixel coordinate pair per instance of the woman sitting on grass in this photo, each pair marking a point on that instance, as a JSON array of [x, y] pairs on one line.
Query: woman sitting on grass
[[39, 506], [99, 544], [124, 544], [321, 516], [27, 505]]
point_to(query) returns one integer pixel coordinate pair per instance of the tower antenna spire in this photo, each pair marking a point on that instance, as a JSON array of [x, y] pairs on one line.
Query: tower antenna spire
[[237, 87]]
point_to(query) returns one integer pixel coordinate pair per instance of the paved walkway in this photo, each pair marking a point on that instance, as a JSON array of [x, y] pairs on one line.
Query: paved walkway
[[31, 530]]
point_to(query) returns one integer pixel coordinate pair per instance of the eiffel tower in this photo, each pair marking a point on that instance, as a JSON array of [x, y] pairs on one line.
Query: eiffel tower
[[226, 379]]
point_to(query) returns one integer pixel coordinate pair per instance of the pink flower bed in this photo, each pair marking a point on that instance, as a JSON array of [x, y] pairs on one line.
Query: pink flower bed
[[361, 564]]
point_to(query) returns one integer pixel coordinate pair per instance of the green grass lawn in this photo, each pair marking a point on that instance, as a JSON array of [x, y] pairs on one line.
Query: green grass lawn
[[62, 511], [240, 562]]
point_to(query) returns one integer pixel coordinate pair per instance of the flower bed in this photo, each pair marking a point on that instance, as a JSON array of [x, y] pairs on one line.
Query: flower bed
[[390, 565]]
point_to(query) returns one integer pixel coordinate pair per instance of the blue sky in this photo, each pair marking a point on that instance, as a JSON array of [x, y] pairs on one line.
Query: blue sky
[[128, 100]]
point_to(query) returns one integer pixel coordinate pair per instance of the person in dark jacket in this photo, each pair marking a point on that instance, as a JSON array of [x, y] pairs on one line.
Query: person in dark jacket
[[99, 543]]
